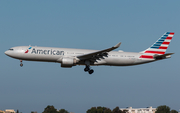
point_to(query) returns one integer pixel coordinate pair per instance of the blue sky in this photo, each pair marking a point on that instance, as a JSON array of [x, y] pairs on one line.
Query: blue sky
[[89, 25]]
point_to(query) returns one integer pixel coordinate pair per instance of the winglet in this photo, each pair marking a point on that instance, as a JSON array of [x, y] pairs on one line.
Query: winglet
[[117, 45]]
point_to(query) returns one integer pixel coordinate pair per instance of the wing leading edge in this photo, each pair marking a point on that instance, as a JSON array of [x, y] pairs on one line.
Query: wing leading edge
[[97, 53]]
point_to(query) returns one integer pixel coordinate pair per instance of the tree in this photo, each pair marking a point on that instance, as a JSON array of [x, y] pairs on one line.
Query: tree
[[104, 110], [50, 109], [62, 111], [92, 110], [107, 110], [174, 111], [99, 109], [117, 110], [33, 111], [163, 109]]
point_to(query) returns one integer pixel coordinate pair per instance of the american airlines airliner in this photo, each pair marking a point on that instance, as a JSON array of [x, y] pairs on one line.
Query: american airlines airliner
[[72, 57]]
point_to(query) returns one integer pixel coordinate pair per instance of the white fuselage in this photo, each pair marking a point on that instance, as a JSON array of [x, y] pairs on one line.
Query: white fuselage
[[71, 57], [50, 54]]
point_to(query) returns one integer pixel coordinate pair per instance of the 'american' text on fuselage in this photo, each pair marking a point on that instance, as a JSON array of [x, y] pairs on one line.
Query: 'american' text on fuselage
[[47, 52]]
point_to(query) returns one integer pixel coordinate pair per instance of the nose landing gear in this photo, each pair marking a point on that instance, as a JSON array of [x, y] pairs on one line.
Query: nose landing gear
[[21, 64]]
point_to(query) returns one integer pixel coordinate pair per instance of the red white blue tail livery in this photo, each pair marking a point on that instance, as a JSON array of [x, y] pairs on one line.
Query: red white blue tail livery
[[159, 47]]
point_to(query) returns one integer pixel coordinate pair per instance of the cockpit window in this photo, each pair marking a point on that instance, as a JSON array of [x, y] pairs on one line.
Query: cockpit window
[[11, 49]]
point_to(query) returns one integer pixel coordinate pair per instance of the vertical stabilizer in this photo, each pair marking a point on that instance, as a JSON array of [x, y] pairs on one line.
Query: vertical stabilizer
[[159, 47]]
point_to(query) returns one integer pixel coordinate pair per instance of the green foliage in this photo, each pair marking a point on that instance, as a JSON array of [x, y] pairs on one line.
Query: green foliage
[[99, 110], [163, 109], [117, 110], [62, 111], [104, 110], [50, 109], [107, 110], [174, 111]]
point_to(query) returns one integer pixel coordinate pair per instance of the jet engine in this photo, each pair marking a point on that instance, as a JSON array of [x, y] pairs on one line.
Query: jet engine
[[68, 62]]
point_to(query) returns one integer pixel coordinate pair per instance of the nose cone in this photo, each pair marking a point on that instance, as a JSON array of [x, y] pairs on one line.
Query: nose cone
[[6, 52]]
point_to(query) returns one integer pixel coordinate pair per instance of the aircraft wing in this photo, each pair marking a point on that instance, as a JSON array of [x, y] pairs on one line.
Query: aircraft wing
[[98, 53]]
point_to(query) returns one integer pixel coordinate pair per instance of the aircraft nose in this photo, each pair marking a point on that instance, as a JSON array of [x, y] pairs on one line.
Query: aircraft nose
[[6, 52]]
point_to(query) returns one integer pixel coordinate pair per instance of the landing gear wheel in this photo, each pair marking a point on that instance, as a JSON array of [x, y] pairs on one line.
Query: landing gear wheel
[[91, 71], [86, 69], [21, 65]]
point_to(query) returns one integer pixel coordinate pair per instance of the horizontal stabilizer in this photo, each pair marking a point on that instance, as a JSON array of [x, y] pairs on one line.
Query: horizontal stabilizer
[[158, 57]]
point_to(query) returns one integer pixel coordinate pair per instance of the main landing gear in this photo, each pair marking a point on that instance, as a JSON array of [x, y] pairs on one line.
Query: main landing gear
[[87, 68], [21, 64]]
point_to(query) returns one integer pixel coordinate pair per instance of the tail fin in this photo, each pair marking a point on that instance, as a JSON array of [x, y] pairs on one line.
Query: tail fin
[[159, 47]]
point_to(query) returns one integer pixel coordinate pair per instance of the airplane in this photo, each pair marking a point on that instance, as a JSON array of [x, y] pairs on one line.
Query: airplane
[[71, 57]]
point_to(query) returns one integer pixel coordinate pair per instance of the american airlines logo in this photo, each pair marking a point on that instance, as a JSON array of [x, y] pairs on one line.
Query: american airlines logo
[[47, 52], [28, 50]]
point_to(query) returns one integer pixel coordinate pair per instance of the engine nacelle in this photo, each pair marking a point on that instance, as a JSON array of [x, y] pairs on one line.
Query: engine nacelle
[[68, 62]]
